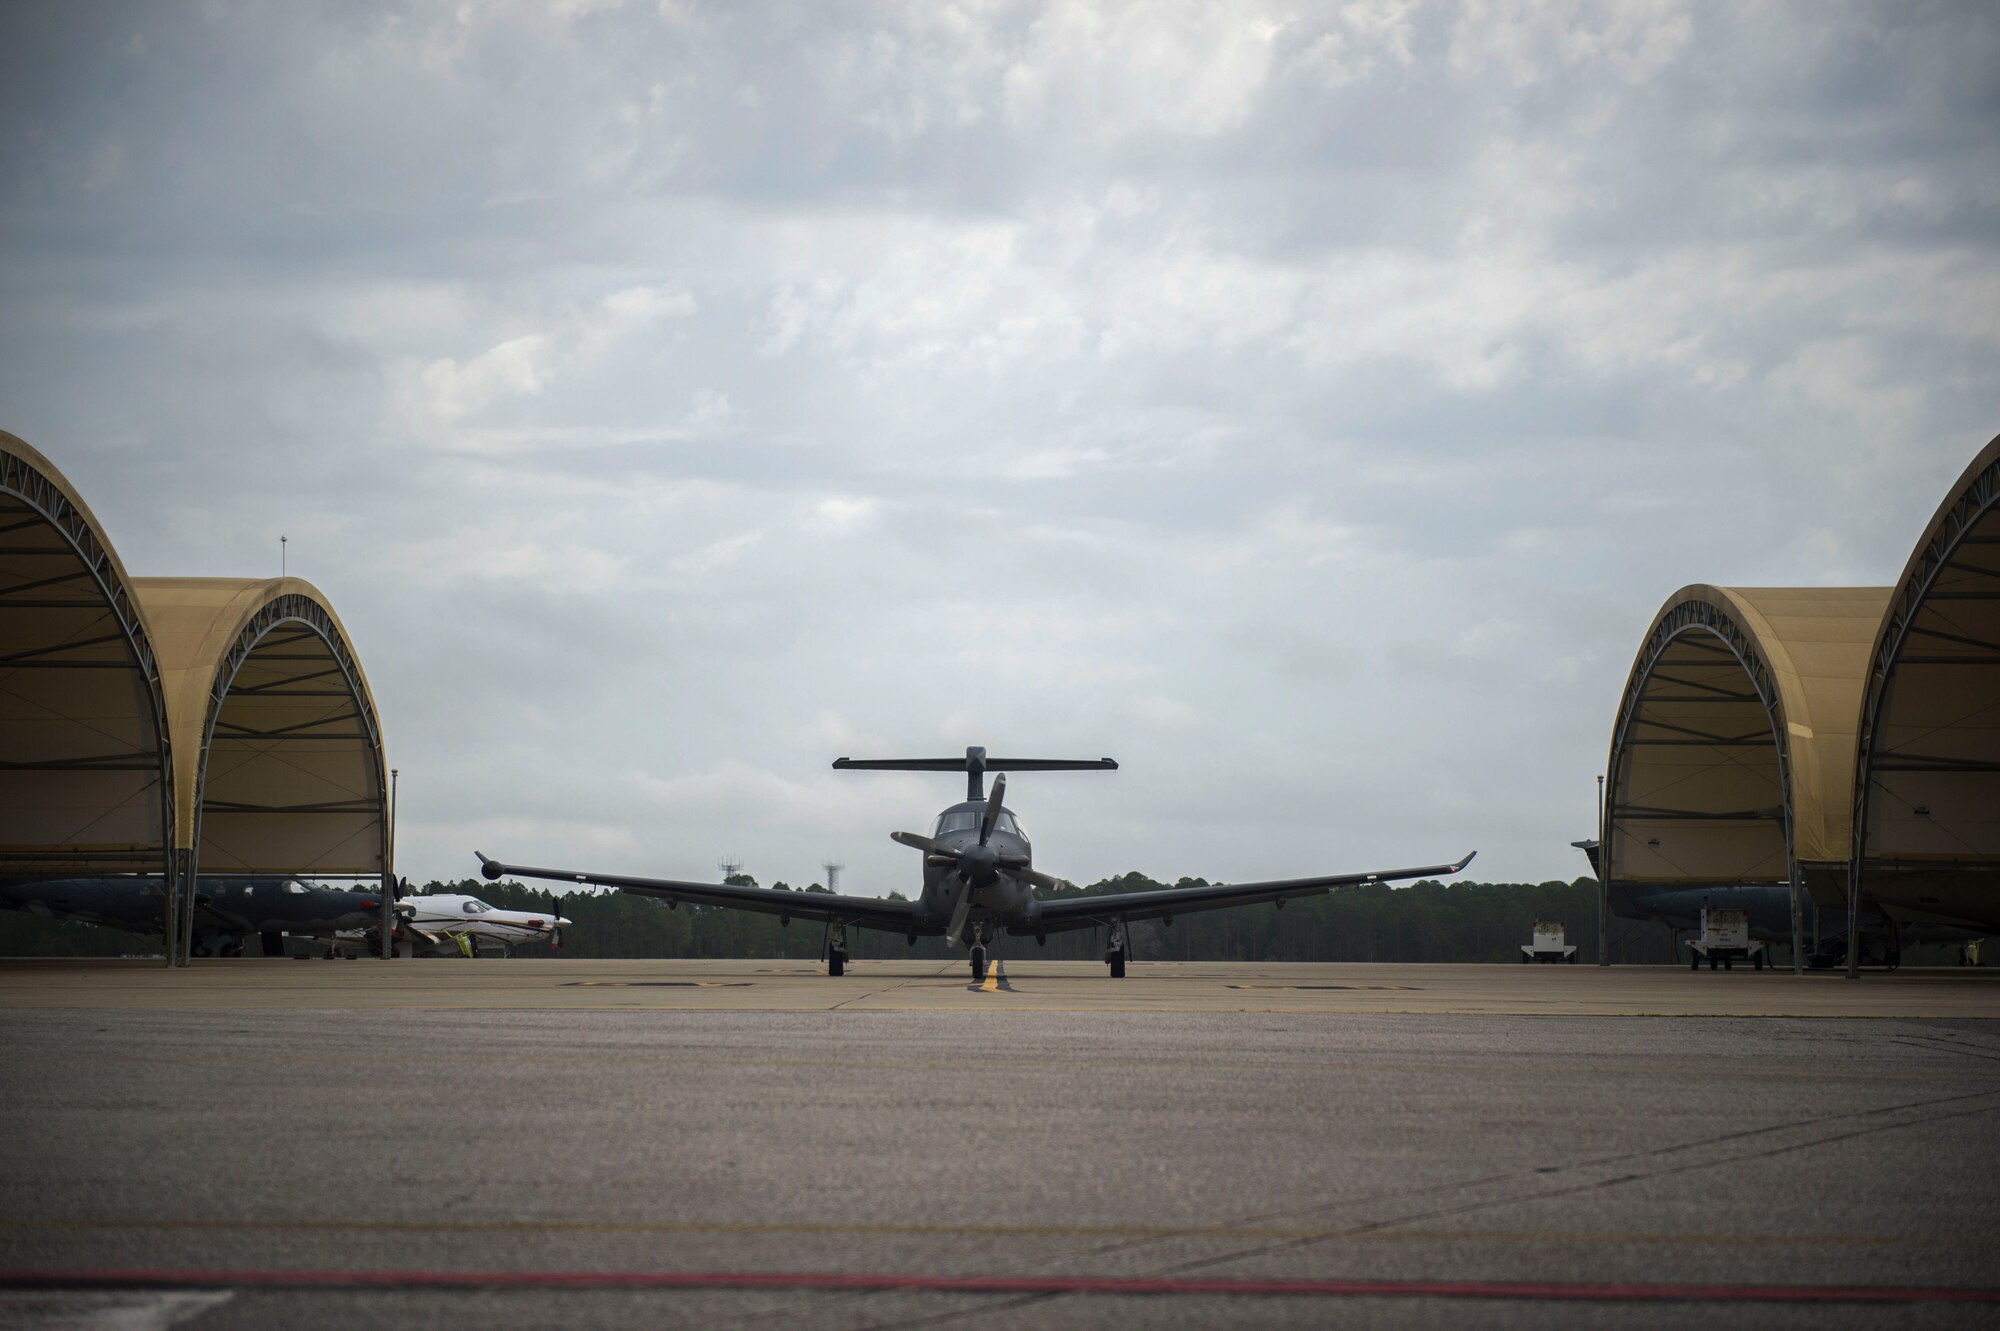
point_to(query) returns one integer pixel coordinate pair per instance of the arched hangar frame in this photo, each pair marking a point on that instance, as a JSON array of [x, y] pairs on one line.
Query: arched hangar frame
[[1926, 811], [86, 758], [1733, 742], [279, 752], [1692, 644]]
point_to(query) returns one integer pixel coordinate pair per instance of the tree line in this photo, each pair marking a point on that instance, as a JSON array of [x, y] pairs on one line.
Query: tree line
[[1425, 922]]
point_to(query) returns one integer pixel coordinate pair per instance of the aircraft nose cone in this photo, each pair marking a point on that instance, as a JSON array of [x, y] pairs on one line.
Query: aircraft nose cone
[[977, 865]]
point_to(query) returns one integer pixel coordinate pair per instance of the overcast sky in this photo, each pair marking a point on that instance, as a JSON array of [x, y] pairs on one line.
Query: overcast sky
[[1308, 406]]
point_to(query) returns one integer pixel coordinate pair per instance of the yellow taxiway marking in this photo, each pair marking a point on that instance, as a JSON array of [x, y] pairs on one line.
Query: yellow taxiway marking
[[656, 984], [995, 982], [1385, 988], [1220, 1232]]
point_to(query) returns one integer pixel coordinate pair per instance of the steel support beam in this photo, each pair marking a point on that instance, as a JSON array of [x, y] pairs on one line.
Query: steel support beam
[[181, 951], [1603, 877], [1798, 917], [1854, 923]]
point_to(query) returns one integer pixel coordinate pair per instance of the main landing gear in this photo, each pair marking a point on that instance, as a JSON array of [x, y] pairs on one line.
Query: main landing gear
[[836, 948], [1115, 947]]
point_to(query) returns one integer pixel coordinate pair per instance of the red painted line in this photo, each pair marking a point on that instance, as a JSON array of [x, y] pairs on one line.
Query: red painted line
[[837, 1280]]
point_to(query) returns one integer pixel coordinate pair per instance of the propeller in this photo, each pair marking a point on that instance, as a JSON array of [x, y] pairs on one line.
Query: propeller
[[992, 814], [978, 865], [555, 922], [955, 931]]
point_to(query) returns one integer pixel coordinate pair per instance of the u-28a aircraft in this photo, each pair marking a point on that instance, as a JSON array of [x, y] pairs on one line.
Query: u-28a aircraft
[[979, 877]]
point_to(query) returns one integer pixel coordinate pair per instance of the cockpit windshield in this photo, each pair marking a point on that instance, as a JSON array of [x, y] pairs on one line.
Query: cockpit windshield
[[967, 820], [475, 908]]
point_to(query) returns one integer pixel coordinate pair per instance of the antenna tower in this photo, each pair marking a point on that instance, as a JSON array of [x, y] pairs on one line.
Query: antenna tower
[[832, 875], [730, 866]]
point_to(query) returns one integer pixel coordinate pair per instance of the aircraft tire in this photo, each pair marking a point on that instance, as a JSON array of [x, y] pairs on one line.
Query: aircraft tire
[[836, 964], [978, 965], [273, 942], [1694, 960], [1117, 960]]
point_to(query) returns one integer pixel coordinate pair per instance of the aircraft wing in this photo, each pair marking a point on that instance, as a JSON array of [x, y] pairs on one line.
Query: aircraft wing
[[871, 912], [1091, 911]]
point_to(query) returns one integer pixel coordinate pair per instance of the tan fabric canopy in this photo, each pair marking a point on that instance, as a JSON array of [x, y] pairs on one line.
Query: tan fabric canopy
[[1929, 760], [277, 746], [85, 772], [1738, 715]]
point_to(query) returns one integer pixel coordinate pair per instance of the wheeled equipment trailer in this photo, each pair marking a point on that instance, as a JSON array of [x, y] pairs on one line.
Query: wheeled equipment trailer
[[1725, 939], [1548, 946]]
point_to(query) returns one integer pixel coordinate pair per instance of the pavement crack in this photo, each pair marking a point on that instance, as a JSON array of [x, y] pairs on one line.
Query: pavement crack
[[1593, 1185]]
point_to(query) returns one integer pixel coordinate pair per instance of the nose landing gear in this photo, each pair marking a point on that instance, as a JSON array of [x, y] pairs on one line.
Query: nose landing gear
[[978, 941]]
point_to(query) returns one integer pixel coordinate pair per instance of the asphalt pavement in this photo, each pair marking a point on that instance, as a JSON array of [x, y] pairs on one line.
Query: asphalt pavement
[[493, 1167]]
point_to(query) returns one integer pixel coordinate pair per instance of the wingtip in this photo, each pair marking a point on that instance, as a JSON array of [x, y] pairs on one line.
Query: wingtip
[[1462, 863]]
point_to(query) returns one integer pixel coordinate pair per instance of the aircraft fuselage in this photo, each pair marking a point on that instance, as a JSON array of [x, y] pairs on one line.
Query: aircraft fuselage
[[998, 899]]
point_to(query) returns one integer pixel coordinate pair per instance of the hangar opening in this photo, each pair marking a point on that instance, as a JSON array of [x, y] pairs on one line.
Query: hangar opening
[[1926, 827], [278, 747], [86, 769], [1731, 758]]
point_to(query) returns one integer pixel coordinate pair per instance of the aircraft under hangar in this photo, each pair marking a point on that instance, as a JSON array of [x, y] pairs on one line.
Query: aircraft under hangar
[[979, 878], [228, 912]]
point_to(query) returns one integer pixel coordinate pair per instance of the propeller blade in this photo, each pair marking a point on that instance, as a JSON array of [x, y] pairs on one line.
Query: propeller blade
[[1041, 880], [915, 842], [955, 931], [992, 814]]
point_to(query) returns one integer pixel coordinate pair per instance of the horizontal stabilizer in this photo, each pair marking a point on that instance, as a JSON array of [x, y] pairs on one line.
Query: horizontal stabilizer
[[990, 764], [975, 764]]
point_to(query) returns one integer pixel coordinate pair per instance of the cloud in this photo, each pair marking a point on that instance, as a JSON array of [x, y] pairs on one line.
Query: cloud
[[512, 367], [1308, 406]]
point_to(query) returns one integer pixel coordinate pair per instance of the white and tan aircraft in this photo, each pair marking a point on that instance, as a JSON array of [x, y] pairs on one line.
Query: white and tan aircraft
[[443, 924]]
